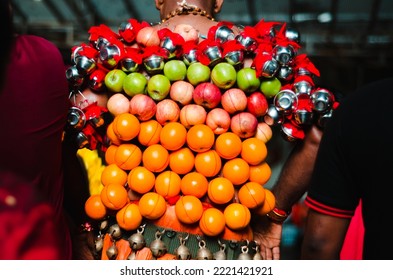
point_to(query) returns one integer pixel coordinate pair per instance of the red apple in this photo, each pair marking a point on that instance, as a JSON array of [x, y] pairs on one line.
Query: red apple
[[257, 104], [218, 120], [264, 132], [167, 111], [147, 37], [192, 114], [244, 124], [181, 91], [188, 32], [118, 104], [143, 107], [207, 95], [234, 100]]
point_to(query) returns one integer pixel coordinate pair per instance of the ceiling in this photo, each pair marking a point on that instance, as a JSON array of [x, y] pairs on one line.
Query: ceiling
[[352, 33]]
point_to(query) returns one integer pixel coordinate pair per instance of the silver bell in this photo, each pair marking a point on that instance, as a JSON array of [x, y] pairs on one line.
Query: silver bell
[[129, 65], [235, 57], [257, 254], [203, 252], [244, 255], [115, 232], [303, 87], [110, 56], [322, 100], [157, 246], [154, 64], [270, 68], [214, 54], [220, 254], [190, 57], [112, 252], [99, 243], [223, 34], [247, 42], [303, 117], [273, 116], [137, 241], [284, 54], [74, 77], [324, 118], [101, 43], [85, 65], [285, 73], [183, 252], [292, 34], [168, 45], [76, 118], [285, 101], [81, 140]]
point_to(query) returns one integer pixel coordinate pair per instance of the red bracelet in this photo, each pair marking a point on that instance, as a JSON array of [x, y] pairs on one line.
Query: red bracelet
[[278, 215]]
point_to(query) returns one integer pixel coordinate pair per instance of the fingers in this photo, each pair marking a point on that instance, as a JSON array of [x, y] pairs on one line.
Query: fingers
[[270, 253]]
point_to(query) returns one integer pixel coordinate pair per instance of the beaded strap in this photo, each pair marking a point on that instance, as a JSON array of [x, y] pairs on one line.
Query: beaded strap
[[187, 9]]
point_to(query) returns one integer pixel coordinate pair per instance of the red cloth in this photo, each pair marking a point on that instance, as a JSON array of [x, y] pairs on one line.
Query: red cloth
[[34, 105], [353, 244]]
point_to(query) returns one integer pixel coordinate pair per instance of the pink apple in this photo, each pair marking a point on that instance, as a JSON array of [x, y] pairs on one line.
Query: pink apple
[[188, 32], [234, 100], [264, 132], [207, 95], [257, 104], [147, 37], [118, 104], [192, 114], [181, 92], [143, 107], [167, 111], [244, 124], [218, 120]]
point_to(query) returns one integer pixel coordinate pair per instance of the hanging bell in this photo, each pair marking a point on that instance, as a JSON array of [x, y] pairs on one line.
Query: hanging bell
[[81, 140], [285, 101], [248, 43], [168, 45], [157, 246], [74, 77], [129, 65], [85, 65], [283, 54], [96, 80], [257, 255], [137, 240], [115, 232], [273, 116], [220, 254], [322, 100], [203, 253], [213, 53], [154, 64], [190, 57], [324, 118], [270, 68], [285, 73], [99, 243], [302, 87], [101, 43], [224, 34], [235, 57], [112, 252], [244, 255], [292, 34], [183, 252], [303, 117], [110, 55], [76, 119]]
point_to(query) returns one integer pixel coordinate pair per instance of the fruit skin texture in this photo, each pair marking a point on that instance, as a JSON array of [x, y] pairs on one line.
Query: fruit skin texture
[[212, 222], [158, 87], [94, 208], [257, 104], [218, 120], [134, 83], [181, 92], [189, 209], [143, 107], [244, 124], [152, 205], [228, 145], [114, 80], [114, 196], [167, 111], [220, 190], [198, 73], [247, 80], [270, 87], [223, 75], [268, 205], [252, 195], [207, 95], [200, 138], [237, 216], [175, 70], [192, 114], [129, 217], [234, 100]]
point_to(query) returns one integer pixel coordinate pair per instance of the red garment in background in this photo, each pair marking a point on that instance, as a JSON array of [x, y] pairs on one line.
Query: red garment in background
[[34, 105], [353, 244]]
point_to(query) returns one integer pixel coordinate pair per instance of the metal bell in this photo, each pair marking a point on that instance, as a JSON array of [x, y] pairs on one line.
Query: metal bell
[[104, 225], [169, 46], [214, 54], [270, 68], [273, 116], [223, 34], [235, 57], [284, 54], [303, 117], [137, 240], [76, 118], [302, 87], [183, 252], [190, 57], [220, 254], [114, 231], [244, 255], [110, 55], [285, 101], [99, 243], [112, 252], [203, 253], [285, 73], [157, 246], [97, 80], [257, 254], [248, 43], [154, 64], [292, 34], [76, 53], [81, 140], [324, 118], [74, 77], [322, 100], [129, 65], [101, 43], [85, 65]]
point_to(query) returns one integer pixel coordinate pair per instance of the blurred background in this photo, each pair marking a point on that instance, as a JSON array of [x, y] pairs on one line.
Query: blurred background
[[349, 41]]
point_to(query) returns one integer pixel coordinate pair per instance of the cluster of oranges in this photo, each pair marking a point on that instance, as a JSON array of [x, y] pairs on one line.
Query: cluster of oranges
[[213, 180]]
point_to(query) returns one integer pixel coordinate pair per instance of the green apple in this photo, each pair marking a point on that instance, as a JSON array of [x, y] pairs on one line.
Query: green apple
[[114, 80], [135, 83], [158, 87], [270, 86], [198, 73], [175, 70], [247, 80], [223, 75]]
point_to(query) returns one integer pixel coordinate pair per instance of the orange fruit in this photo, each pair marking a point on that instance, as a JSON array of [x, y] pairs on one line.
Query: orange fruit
[[152, 205], [110, 154], [173, 136], [182, 161], [126, 126], [141, 179], [200, 138], [94, 208], [254, 150], [237, 216], [260, 173], [188, 209], [220, 190], [237, 170], [167, 184], [129, 217], [212, 222], [252, 194], [149, 132], [228, 145], [113, 174], [113, 139], [114, 196], [194, 183], [155, 158], [268, 205], [208, 163], [128, 156]]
